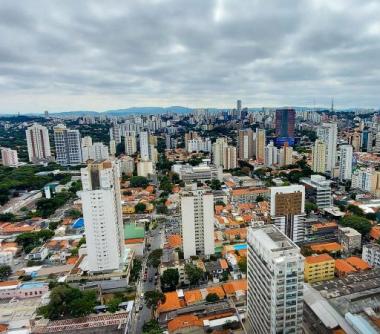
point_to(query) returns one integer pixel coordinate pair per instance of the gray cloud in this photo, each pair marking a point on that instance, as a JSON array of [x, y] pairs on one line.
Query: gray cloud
[[63, 55]]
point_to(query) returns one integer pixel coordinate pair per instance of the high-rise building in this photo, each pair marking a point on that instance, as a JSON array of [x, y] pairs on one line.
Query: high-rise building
[[366, 179], [285, 155], [229, 157], [197, 222], [37, 139], [318, 190], [112, 147], [86, 141], [145, 168], [260, 144], [271, 154], [67, 145], [102, 213], [285, 123], [287, 209], [96, 151], [377, 142], [366, 140], [275, 282], [355, 141], [319, 156], [115, 133], [9, 157], [199, 144], [130, 143], [144, 146], [127, 165], [218, 151], [345, 162], [328, 134], [238, 105], [245, 144]]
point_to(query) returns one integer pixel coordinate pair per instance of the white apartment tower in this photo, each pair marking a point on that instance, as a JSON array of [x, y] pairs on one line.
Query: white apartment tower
[[9, 157], [287, 209], [102, 213], [230, 157], [271, 154], [67, 146], [144, 146], [96, 151], [319, 156], [37, 138], [328, 134], [130, 143], [218, 151], [345, 162], [275, 282], [197, 223]]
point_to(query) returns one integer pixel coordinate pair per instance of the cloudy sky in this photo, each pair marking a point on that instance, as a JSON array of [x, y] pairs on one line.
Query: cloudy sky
[[99, 55]]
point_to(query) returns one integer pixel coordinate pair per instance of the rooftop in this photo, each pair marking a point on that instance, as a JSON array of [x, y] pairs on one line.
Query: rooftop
[[133, 231]]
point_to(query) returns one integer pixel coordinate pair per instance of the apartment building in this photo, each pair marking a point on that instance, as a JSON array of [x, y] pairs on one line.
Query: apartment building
[[319, 268], [68, 148], [38, 143], [275, 282]]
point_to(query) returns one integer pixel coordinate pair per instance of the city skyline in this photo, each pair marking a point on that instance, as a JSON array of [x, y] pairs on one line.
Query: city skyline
[[97, 56]]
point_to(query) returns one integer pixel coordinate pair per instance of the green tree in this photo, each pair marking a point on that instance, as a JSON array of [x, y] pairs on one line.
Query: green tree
[[140, 208], [259, 198], [215, 184], [153, 298], [139, 182], [170, 279], [5, 272], [355, 210], [113, 304], [135, 272], [154, 258], [73, 213], [212, 297], [193, 273], [360, 224], [309, 206], [152, 327], [30, 240], [66, 301], [243, 264], [219, 202], [166, 185], [7, 217]]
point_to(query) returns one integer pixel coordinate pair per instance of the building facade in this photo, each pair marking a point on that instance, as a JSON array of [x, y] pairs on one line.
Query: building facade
[[68, 148], [37, 139], [102, 213], [345, 162], [319, 156], [197, 222], [328, 133], [9, 157], [275, 282], [319, 268]]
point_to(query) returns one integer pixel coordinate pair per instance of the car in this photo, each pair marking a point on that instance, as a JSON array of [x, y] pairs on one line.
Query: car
[[141, 307], [151, 280]]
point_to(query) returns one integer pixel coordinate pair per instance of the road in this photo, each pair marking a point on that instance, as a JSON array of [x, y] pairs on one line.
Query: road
[[145, 314]]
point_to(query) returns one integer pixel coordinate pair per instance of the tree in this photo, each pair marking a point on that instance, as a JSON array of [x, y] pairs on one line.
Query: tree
[[154, 258], [30, 240], [135, 272], [5, 272], [73, 213], [243, 264], [152, 298], [219, 202], [212, 297], [170, 279], [360, 224], [194, 273], [309, 206], [140, 208], [152, 327], [166, 185], [259, 198], [113, 304], [355, 210], [215, 184], [7, 217], [66, 301], [139, 182]]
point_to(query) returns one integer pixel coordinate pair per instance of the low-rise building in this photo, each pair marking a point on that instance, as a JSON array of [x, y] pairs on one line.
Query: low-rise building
[[319, 268], [17, 289], [350, 239], [38, 254], [248, 194]]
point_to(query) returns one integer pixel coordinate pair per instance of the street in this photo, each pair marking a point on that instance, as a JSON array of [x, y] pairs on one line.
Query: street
[[145, 314]]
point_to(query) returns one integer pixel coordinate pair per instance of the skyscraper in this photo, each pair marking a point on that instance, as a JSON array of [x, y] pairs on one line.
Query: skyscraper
[[115, 133], [102, 213], [37, 139], [229, 157], [275, 282], [319, 156], [67, 146], [197, 222], [218, 151], [285, 122], [328, 134], [260, 145], [130, 143], [285, 155], [9, 157], [144, 146], [271, 155], [245, 144], [366, 140], [287, 209], [345, 162]]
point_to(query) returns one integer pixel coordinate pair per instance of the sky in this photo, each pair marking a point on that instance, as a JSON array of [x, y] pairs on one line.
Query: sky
[[98, 55]]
